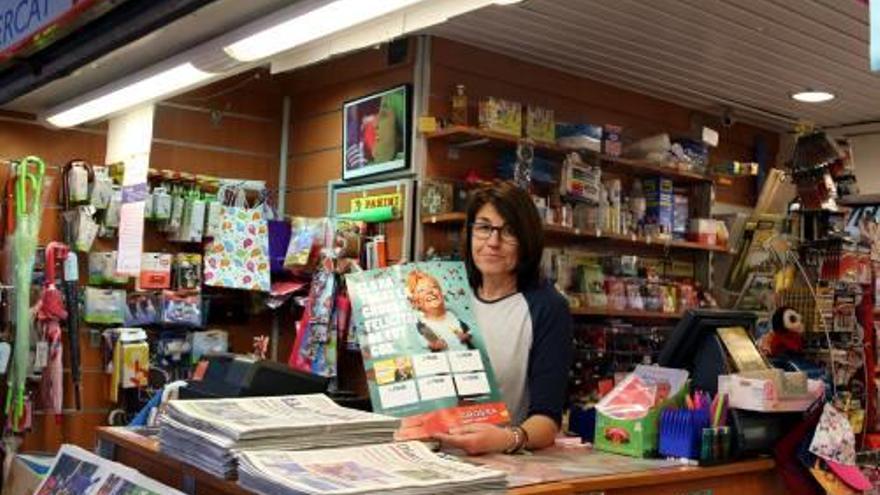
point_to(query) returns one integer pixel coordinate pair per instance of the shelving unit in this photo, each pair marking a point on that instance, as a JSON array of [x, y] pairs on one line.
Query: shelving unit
[[468, 137], [452, 218]]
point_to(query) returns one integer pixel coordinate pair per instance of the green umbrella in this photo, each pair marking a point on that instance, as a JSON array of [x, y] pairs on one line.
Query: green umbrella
[[28, 192]]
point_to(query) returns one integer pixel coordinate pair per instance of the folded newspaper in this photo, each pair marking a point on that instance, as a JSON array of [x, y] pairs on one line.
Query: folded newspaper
[[407, 468], [78, 471], [209, 433]]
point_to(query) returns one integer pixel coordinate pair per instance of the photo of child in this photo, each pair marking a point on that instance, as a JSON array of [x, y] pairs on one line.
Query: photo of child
[[441, 329]]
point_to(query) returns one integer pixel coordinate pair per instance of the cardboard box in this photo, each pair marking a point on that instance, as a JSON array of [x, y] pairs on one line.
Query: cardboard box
[[540, 124], [633, 437], [659, 203], [502, 116]]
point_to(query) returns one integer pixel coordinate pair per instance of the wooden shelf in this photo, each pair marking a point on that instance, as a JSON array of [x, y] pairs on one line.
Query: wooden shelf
[[555, 230], [446, 218], [465, 137], [627, 313]]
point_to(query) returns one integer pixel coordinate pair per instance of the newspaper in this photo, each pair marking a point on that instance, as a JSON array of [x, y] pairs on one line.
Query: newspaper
[[78, 471], [259, 417], [395, 468], [209, 433]]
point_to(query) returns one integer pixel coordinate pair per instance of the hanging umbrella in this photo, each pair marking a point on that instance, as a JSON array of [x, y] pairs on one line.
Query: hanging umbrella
[[50, 312], [28, 192], [71, 273]]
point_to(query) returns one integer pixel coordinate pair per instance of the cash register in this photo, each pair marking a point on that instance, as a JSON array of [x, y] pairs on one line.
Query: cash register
[[696, 345], [224, 375]]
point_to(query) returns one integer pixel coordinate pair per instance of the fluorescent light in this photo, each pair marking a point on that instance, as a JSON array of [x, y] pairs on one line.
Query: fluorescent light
[[507, 2], [133, 94], [811, 96], [312, 25]]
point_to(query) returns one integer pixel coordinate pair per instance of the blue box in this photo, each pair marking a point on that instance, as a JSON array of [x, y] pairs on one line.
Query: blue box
[[659, 203]]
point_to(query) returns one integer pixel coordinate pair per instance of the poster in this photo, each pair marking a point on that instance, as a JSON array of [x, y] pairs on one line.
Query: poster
[[376, 133], [424, 355]]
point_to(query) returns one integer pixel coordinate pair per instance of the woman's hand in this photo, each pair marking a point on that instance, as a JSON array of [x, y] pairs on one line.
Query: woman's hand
[[464, 338], [478, 438]]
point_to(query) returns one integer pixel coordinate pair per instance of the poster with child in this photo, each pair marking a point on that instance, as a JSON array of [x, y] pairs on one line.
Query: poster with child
[[424, 355]]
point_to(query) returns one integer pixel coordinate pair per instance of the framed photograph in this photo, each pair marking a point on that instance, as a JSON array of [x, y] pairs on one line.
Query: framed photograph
[[376, 132]]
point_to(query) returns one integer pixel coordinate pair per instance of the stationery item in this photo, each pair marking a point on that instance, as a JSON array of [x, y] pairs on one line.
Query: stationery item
[[187, 271], [279, 240], [102, 191], [86, 229], [102, 269], [104, 306], [114, 209], [208, 342], [305, 242], [424, 362], [181, 309], [155, 271], [78, 181], [142, 309], [131, 361], [161, 204]]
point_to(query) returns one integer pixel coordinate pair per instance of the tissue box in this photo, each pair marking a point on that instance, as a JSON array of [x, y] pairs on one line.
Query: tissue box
[[540, 124], [771, 391], [502, 116]]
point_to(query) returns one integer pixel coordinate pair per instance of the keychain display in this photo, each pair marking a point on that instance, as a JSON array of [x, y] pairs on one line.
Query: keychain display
[[181, 309], [104, 306]]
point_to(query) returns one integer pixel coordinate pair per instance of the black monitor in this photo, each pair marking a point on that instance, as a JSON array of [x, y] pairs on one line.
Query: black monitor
[[694, 345]]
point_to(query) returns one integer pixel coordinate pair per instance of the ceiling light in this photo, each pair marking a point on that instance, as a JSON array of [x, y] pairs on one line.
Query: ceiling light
[[506, 2], [811, 96], [141, 91], [311, 25]]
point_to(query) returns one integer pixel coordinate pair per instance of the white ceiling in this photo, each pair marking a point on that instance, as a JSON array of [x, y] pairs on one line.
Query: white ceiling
[[745, 54], [705, 54]]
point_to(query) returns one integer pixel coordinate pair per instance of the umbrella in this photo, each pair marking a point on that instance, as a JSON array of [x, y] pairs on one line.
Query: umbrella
[[50, 312], [71, 275], [24, 242]]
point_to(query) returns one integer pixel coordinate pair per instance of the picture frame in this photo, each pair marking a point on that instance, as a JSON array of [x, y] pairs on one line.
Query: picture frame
[[368, 148]]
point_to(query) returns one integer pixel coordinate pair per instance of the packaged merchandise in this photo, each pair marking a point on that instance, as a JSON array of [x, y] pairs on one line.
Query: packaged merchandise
[[155, 271], [181, 309], [579, 136], [658, 201], [540, 124], [187, 269], [500, 115], [104, 306]]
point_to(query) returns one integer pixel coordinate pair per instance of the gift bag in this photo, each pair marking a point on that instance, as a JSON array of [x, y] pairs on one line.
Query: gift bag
[[238, 256]]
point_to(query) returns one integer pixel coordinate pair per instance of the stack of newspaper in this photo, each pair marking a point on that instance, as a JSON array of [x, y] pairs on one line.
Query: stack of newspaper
[[209, 433], [77, 471], [395, 468]]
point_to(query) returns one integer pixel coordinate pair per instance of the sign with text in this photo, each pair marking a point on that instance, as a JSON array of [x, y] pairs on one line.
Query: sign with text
[[24, 21], [377, 201]]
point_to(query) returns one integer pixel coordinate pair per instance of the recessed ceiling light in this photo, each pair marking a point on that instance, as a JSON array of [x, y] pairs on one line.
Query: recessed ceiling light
[[811, 96]]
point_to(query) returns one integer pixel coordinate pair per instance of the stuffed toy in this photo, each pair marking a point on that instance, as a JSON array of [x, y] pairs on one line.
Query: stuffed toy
[[787, 336]]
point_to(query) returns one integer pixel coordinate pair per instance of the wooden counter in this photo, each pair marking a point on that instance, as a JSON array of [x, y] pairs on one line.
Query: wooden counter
[[754, 477]]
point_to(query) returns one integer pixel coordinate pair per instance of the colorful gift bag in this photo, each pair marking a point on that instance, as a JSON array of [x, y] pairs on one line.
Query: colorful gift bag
[[238, 257]]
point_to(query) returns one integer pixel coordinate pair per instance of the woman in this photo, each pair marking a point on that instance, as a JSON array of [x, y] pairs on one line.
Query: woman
[[525, 322]]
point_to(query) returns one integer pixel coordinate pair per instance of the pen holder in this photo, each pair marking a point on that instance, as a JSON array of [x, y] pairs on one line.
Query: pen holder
[[681, 432], [714, 445]]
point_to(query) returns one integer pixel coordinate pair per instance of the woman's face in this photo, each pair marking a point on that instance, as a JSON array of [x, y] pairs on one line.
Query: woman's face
[[429, 297], [493, 256]]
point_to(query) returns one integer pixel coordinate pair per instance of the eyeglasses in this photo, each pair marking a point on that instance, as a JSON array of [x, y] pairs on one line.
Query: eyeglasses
[[483, 231]]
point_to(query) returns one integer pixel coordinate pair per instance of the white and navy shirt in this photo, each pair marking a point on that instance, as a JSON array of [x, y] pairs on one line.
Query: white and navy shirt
[[529, 341]]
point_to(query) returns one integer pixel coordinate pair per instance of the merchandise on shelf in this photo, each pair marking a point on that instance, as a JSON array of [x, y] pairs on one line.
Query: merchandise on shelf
[[501, 115], [540, 124]]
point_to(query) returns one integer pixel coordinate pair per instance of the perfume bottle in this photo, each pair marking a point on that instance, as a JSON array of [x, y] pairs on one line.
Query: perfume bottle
[[459, 106]]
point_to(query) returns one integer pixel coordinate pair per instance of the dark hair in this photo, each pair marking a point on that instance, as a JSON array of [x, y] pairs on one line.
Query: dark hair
[[517, 209]]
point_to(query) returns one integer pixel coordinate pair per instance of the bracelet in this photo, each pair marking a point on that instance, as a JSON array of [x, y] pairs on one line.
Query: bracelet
[[520, 439]]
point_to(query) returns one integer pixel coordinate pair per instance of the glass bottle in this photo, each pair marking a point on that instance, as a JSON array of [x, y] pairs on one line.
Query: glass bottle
[[459, 106]]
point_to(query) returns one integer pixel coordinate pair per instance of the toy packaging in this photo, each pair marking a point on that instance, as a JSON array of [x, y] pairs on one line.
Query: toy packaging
[[502, 116]]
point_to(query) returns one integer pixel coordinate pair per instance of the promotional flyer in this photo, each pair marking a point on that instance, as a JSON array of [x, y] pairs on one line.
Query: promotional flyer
[[424, 355]]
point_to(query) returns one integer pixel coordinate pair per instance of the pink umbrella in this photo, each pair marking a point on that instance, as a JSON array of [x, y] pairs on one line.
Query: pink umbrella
[[50, 313]]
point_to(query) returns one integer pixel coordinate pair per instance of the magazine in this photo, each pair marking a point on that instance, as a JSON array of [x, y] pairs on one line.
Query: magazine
[[78, 471], [398, 468], [424, 354]]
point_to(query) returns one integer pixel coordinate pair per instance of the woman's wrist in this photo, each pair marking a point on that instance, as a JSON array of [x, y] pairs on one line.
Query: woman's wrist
[[517, 441]]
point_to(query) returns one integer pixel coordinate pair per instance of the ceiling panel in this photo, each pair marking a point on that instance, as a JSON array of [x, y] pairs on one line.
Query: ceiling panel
[[749, 54]]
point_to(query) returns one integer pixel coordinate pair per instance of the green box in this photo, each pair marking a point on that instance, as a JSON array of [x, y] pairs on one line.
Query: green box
[[641, 435]]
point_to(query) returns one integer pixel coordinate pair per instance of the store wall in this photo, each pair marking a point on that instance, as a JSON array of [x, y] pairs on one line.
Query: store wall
[[241, 141], [866, 156], [317, 96], [574, 99]]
